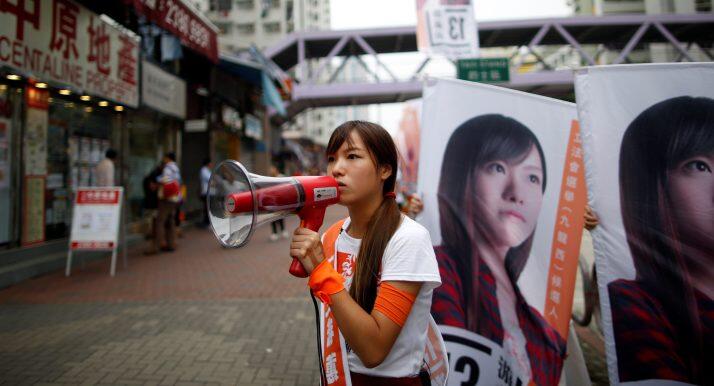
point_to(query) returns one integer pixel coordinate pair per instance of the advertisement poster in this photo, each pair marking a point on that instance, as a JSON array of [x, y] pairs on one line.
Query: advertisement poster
[[33, 219], [504, 196], [649, 140], [35, 134], [95, 221], [447, 27]]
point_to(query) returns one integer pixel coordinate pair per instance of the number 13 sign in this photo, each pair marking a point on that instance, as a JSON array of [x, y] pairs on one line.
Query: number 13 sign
[[447, 27]]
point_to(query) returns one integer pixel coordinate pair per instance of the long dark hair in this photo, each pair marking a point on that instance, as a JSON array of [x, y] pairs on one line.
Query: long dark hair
[[660, 138], [386, 218], [473, 144]]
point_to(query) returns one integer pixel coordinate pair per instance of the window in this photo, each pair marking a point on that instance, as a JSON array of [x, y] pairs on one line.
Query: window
[[271, 27], [246, 29], [245, 4], [224, 28]]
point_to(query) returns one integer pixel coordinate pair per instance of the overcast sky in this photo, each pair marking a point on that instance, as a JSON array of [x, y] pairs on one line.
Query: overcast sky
[[354, 14], [389, 13]]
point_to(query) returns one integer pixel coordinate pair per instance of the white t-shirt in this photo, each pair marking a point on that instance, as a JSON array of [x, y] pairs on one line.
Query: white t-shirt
[[409, 256], [104, 173]]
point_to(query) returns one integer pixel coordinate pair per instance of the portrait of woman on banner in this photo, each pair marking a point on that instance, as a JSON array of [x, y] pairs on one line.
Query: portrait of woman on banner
[[491, 188], [663, 320]]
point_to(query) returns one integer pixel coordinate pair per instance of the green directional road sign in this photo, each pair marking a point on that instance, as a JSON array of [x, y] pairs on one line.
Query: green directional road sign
[[488, 70]]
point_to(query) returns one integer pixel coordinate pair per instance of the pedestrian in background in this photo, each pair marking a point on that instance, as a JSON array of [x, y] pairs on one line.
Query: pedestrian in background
[[280, 223], [205, 176], [151, 205], [169, 197], [104, 170]]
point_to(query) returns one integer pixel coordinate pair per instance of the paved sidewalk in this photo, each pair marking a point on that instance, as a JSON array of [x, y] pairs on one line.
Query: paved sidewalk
[[202, 315]]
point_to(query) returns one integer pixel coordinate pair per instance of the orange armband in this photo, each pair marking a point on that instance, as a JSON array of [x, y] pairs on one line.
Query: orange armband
[[325, 281], [394, 303]]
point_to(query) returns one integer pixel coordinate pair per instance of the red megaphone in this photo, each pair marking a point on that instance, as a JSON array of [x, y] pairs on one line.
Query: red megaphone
[[266, 199]]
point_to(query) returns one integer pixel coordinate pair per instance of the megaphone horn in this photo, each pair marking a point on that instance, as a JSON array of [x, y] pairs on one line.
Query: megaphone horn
[[239, 201]]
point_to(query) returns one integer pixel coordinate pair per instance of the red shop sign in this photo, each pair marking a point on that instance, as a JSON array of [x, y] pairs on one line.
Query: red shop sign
[[180, 19]]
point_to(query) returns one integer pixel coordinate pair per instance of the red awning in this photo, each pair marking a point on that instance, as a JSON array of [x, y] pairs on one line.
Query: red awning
[[193, 29]]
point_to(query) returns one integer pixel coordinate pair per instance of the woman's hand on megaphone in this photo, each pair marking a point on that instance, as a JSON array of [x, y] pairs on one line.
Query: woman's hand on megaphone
[[306, 246]]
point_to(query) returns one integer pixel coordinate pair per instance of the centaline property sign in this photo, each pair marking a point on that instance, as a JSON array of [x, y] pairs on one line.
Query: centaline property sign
[[61, 41]]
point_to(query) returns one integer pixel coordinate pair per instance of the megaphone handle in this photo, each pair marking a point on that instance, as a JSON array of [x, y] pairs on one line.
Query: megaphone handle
[[311, 219]]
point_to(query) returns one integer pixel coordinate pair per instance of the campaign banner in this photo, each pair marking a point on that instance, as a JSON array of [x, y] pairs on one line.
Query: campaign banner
[[504, 194], [406, 138], [95, 221], [447, 27], [649, 141], [61, 41]]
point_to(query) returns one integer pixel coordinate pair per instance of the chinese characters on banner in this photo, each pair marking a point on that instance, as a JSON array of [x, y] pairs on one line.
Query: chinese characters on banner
[[178, 18], [566, 236], [62, 41], [447, 27]]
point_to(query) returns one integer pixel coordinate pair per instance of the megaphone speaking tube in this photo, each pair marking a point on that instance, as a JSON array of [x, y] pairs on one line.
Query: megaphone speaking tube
[[235, 189]]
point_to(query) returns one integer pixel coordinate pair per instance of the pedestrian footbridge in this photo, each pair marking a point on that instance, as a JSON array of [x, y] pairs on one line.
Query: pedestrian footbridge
[[542, 53]]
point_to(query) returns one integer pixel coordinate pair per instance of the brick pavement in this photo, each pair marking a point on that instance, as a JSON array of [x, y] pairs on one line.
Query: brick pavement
[[202, 315]]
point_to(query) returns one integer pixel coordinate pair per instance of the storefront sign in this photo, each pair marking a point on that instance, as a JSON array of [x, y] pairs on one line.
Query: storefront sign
[[33, 217], [231, 118], [163, 91], [447, 27], [253, 128], [95, 220], [179, 18], [61, 41], [195, 125]]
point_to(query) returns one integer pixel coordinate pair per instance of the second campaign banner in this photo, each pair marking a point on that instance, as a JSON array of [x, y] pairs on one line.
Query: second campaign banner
[[504, 193], [649, 138]]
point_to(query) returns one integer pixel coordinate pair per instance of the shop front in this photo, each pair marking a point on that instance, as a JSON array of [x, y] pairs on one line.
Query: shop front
[[154, 130], [67, 77]]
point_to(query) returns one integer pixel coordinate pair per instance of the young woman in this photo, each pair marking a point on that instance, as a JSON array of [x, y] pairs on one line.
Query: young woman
[[663, 320], [493, 178], [378, 278]]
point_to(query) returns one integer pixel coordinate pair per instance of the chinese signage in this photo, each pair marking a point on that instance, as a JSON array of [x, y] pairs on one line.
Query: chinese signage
[[447, 27], [177, 17], [483, 70], [163, 91], [61, 41], [95, 224]]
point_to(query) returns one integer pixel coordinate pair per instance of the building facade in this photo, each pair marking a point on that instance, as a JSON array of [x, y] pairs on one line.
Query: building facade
[[656, 52]]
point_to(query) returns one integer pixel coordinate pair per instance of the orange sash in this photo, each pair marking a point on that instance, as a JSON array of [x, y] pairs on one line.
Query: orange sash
[[334, 353]]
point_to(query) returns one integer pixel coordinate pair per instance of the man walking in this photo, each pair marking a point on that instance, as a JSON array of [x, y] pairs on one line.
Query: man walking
[[206, 171], [104, 171], [169, 197]]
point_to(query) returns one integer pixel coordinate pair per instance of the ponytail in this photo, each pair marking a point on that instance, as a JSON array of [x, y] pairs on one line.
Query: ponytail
[[381, 227]]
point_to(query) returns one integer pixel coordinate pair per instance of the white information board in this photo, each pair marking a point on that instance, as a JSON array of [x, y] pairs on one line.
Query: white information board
[[96, 221]]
